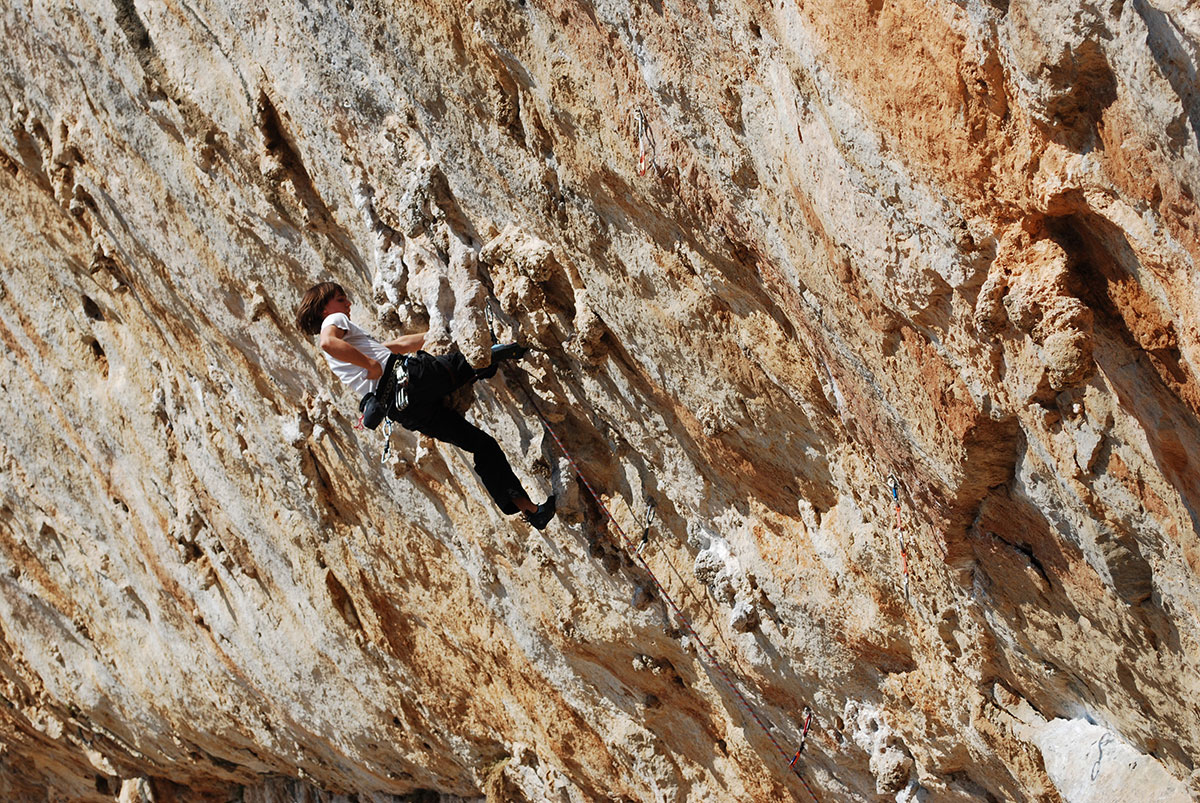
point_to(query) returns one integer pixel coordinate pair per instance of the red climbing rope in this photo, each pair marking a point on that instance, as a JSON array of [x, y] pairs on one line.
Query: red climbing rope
[[633, 549]]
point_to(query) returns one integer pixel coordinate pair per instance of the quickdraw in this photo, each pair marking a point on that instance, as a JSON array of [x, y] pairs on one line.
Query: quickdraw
[[808, 715], [387, 439], [491, 322], [646, 145], [648, 521]]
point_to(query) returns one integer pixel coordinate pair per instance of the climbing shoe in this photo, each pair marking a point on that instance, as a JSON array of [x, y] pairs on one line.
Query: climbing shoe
[[508, 351], [541, 517], [500, 353]]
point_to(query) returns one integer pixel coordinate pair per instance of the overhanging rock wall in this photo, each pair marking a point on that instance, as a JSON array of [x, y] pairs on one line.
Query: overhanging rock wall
[[950, 242]]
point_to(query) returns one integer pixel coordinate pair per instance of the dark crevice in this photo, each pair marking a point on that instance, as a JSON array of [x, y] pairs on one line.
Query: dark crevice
[[1137, 345], [1105, 275], [1027, 551], [30, 152], [92, 310], [8, 164], [98, 354], [342, 602], [1167, 46], [323, 487], [139, 39], [290, 167], [135, 31]]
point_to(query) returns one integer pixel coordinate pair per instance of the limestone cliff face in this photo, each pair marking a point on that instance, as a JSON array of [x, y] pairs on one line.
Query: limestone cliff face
[[770, 253]]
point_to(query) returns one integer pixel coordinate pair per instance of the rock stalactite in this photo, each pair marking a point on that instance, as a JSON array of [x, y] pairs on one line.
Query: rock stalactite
[[770, 256]]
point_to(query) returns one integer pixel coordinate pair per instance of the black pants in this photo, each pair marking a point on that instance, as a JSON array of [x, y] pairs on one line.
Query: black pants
[[430, 380]]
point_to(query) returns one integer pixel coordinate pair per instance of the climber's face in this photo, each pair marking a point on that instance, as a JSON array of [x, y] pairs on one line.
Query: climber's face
[[339, 303]]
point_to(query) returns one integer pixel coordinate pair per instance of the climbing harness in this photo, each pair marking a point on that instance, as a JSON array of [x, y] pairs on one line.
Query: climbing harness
[[390, 396], [634, 550], [895, 486], [804, 735], [646, 146]]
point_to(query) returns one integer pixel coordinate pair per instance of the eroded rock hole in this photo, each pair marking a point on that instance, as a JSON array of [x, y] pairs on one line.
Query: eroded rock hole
[[342, 602], [92, 309], [98, 354]]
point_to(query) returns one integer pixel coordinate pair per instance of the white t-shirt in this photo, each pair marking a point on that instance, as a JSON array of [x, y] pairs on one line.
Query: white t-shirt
[[356, 336]]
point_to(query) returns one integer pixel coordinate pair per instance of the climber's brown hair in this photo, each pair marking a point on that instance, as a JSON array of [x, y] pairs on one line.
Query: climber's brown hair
[[310, 313]]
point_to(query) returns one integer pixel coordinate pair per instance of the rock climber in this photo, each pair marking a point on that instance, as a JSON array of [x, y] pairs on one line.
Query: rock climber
[[422, 383]]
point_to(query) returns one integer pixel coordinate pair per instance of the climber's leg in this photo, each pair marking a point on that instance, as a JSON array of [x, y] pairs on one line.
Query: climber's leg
[[490, 462]]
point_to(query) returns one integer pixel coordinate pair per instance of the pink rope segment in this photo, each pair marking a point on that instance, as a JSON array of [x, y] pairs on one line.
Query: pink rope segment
[[900, 532]]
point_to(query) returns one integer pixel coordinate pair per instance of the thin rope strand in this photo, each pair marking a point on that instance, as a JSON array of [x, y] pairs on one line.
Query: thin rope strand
[[631, 549]]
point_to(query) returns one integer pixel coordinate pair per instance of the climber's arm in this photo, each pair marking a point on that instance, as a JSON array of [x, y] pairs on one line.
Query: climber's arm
[[407, 344], [333, 342]]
